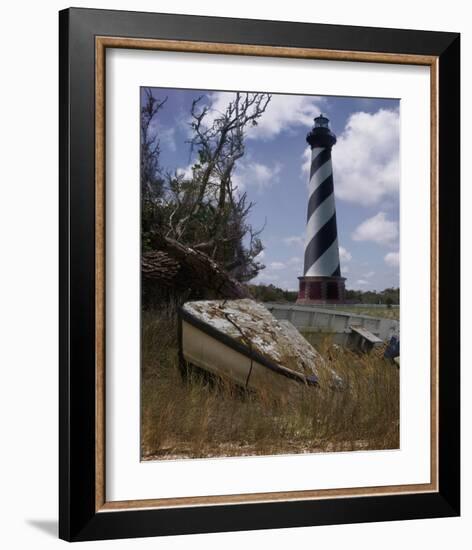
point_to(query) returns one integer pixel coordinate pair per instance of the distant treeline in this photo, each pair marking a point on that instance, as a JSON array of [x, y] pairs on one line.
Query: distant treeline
[[271, 293]]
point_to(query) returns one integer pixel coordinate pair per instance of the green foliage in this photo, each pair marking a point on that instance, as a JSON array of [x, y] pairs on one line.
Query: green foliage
[[271, 293], [389, 296]]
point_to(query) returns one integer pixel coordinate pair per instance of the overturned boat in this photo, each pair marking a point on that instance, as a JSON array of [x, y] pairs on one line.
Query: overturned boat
[[241, 341]]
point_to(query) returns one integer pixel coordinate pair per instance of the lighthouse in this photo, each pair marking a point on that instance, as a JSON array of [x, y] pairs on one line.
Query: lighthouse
[[321, 282]]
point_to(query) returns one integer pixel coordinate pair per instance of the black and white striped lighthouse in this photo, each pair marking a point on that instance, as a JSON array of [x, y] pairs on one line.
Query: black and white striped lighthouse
[[321, 282]]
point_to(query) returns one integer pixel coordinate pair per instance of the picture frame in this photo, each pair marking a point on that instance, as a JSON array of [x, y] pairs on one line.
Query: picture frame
[[84, 37]]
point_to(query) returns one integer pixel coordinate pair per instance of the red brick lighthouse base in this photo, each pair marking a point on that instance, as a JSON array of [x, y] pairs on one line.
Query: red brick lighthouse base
[[321, 290]]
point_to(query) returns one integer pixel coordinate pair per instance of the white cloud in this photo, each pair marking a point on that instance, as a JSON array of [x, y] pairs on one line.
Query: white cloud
[[255, 174], [282, 113], [297, 240], [377, 229], [265, 277], [276, 266], [306, 162], [186, 172], [362, 282], [247, 174], [281, 273], [366, 158], [295, 264], [261, 255], [345, 270], [344, 254], [295, 260], [392, 259], [165, 134], [369, 275], [167, 137]]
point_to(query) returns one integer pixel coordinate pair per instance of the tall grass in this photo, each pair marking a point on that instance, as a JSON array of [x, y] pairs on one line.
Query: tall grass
[[200, 417]]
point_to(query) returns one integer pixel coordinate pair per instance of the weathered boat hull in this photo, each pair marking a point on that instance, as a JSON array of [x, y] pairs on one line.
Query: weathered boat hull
[[205, 352], [214, 352]]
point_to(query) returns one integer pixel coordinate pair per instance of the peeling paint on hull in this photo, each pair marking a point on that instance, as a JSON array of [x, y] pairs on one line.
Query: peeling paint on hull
[[241, 341]]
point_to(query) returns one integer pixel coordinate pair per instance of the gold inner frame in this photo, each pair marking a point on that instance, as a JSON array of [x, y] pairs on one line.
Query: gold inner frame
[[101, 44]]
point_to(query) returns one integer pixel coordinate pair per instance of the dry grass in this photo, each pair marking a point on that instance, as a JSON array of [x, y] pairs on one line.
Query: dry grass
[[201, 418]]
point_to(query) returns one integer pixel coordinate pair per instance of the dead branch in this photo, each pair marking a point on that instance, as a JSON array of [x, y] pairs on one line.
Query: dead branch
[[196, 270]]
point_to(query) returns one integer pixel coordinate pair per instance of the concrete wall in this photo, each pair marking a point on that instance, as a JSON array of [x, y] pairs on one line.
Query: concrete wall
[[312, 319]]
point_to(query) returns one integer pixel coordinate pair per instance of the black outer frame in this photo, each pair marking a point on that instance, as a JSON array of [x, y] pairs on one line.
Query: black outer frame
[[78, 519]]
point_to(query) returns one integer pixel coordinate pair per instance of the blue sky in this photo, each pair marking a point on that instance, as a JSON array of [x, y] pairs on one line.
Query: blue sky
[[274, 174]]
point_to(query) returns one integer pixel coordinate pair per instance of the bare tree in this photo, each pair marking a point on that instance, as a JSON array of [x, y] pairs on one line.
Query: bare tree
[[202, 211], [206, 211], [152, 183], [220, 144]]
